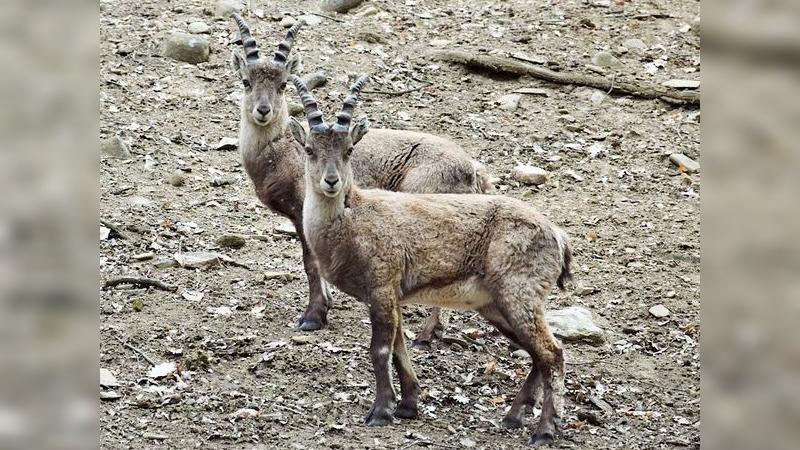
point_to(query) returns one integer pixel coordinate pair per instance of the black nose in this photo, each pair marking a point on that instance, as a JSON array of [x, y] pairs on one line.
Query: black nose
[[331, 181], [263, 109]]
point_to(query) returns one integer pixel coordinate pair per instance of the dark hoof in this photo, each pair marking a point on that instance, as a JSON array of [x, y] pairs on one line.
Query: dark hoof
[[406, 411], [422, 344], [511, 423], [541, 439], [378, 417], [310, 324]]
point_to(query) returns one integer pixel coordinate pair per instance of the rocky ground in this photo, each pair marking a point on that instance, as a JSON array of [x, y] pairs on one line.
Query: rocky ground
[[229, 368]]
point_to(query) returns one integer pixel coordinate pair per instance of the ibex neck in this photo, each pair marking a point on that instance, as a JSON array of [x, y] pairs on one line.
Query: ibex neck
[[254, 137], [320, 211]]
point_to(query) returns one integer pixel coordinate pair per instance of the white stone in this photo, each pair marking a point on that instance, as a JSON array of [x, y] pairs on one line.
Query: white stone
[[605, 59], [162, 370], [682, 84], [107, 379], [659, 311], [510, 102], [199, 28], [288, 21], [530, 175], [574, 323], [635, 44]]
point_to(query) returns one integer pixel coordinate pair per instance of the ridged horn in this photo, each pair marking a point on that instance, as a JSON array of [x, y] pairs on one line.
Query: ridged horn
[[346, 114], [313, 114], [250, 48], [282, 55]]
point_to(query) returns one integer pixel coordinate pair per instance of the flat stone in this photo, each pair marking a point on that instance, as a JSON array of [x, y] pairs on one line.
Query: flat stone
[[581, 290], [286, 227], [302, 339], [684, 163], [186, 47], [197, 260], [574, 323], [659, 311], [116, 148], [529, 175], [682, 84], [199, 28], [635, 44]]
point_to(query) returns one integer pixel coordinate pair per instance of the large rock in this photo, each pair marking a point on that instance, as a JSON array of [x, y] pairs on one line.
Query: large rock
[[574, 323], [339, 6], [116, 148], [530, 175], [186, 47]]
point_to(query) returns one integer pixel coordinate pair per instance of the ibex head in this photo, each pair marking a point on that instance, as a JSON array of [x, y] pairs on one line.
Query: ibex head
[[329, 145], [264, 80]]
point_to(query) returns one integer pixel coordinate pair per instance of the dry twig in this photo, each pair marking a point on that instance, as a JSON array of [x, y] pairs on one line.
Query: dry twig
[[129, 346], [499, 64], [137, 281]]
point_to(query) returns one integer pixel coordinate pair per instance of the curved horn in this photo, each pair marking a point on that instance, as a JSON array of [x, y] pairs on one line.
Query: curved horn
[[344, 116], [249, 44], [282, 55], [313, 113]]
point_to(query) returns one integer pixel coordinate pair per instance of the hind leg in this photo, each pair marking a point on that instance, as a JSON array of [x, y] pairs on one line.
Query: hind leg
[[523, 308], [425, 336], [409, 386], [529, 390]]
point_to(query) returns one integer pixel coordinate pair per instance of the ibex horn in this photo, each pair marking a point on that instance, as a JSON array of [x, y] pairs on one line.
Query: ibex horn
[[344, 116], [282, 55], [313, 113], [249, 44]]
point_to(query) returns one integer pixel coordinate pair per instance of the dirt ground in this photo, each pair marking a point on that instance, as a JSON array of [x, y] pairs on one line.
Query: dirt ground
[[248, 379]]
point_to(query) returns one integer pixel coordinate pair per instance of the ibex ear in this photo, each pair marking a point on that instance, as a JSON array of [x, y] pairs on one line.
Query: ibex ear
[[295, 63], [237, 62], [298, 131], [359, 129]]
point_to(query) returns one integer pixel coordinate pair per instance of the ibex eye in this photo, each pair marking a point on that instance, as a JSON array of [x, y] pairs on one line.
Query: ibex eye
[[349, 151], [283, 85], [309, 152], [246, 84]]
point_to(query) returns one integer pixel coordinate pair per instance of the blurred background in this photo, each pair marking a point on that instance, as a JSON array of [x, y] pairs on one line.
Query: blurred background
[[48, 224]]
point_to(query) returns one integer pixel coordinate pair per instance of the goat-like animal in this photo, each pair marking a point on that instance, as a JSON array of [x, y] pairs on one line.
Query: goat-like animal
[[387, 159], [491, 254]]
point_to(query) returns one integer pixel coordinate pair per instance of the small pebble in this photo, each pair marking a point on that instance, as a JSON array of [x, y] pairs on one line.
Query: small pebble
[[177, 178], [684, 163], [288, 21]]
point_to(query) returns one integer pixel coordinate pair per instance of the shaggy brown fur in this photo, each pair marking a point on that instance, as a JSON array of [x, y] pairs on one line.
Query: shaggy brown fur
[[386, 159], [492, 254]]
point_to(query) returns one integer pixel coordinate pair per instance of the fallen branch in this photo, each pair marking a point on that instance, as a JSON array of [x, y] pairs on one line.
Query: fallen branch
[[503, 65], [134, 349], [136, 281]]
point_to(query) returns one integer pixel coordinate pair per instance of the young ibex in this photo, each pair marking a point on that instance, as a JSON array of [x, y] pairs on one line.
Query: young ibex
[[388, 159], [492, 254]]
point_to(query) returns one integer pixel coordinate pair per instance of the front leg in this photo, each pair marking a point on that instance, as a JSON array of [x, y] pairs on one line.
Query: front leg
[[319, 299], [383, 315]]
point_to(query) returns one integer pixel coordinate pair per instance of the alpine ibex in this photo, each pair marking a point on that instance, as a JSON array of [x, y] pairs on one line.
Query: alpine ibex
[[491, 254], [388, 159]]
